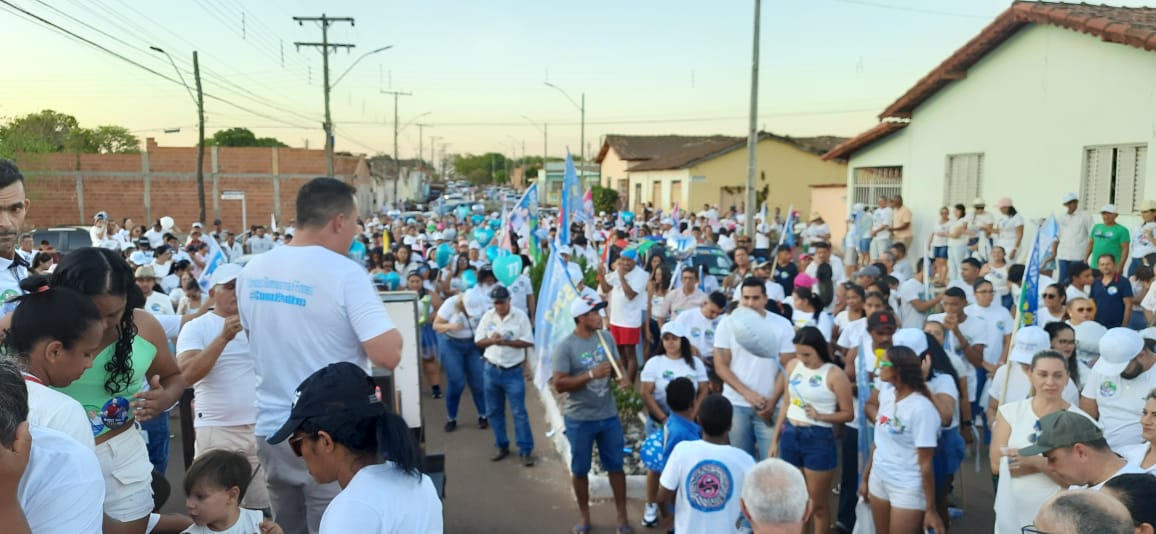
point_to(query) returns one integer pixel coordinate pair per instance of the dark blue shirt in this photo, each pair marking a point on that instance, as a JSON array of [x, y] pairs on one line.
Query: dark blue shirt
[[677, 430], [1109, 299]]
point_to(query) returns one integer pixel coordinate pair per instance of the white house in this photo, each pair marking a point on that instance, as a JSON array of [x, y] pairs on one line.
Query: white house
[[1049, 98]]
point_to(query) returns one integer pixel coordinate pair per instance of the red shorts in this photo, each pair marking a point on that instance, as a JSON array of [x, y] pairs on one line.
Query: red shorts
[[624, 335]]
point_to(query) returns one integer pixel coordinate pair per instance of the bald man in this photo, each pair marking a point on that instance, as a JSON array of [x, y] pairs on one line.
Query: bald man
[[1083, 512]]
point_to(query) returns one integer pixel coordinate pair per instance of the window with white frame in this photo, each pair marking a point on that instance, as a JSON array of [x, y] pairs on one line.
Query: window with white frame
[[1114, 175], [874, 182], [963, 179]]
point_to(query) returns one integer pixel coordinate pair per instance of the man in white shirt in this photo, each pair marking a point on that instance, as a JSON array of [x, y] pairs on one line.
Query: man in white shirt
[[626, 287], [1076, 451], [260, 243], [156, 303], [964, 341], [775, 498], [1075, 229], [213, 353], [1118, 386], [881, 228], [334, 315], [823, 255], [504, 334], [704, 477], [914, 302], [155, 235], [700, 325], [750, 377], [232, 248], [48, 481]]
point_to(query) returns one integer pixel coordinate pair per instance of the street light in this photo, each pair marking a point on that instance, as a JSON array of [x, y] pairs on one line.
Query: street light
[[329, 117], [544, 128], [356, 61], [199, 101], [582, 109]]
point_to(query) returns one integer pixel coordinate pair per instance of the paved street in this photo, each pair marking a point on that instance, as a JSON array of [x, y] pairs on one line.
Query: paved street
[[487, 497]]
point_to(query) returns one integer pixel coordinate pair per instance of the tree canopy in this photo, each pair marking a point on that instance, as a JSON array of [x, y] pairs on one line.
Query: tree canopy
[[241, 137], [51, 131]]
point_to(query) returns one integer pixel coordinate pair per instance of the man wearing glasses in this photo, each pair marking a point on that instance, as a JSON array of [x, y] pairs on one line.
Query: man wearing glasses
[[1115, 392], [213, 353], [1081, 512]]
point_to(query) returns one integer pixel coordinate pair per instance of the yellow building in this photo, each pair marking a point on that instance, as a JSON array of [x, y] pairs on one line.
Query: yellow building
[[697, 171]]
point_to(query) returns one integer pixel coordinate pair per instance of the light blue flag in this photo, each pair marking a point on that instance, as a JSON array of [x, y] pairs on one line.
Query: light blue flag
[[571, 202], [552, 318], [864, 385], [215, 258]]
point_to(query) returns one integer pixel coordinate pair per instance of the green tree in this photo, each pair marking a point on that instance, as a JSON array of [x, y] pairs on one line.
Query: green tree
[[104, 140], [241, 137], [605, 198], [481, 168], [50, 131]]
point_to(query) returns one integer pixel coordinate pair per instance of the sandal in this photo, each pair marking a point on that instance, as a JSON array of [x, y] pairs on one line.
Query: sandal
[[625, 529], [580, 529]]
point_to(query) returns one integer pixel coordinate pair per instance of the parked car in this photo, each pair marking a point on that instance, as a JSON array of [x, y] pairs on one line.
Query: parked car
[[711, 258], [64, 239]]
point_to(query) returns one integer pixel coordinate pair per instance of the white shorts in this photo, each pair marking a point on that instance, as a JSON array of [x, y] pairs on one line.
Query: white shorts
[[128, 476], [907, 498], [237, 438]]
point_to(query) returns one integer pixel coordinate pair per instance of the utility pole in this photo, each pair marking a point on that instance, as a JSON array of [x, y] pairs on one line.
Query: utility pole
[[753, 134], [420, 144], [325, 46], [433, 151], [396, 162], [200, 139]]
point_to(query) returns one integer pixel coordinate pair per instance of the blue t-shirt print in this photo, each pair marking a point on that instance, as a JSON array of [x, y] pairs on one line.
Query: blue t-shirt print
[[709, 486]]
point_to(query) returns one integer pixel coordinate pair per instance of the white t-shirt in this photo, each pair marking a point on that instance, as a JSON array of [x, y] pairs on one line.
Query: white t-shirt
[[662, 371], [700, 330], [1141, 244], [381, 499], [627, 312], [520, 292], [1135, 455], [1128, 469], [1074, 232], [941, 383], [939, 234], [851, 335], [976, 330], [838, 273], [227, 395], [304, 307], [757, 373], [258, 245], [1000, 324], [465, 320], [62, 489], [1120, 403], [49, 408], [881, 217], [159, 304], [1020, 386], [967, 288], [1006, 231], [909, 291], [515, 326], [249, 522], [156, 238], [804, 318], [708, 479], [901, 428]]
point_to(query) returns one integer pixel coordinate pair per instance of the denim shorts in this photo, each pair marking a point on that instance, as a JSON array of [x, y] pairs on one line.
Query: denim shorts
[[808, 447], [948, 456], [865, 244], [584, 434], [939, 252]]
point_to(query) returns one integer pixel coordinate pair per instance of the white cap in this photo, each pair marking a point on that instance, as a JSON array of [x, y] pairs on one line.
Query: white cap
[[1088, 334], [475, 246], [912, 338], [1070, 197], [1149, 333], [671, 327], [565, 249], [437, 236], [1028, 341], [409, 240], [197, 225], [585, 304], [1117, 348], [224, 273], [1109, 208]]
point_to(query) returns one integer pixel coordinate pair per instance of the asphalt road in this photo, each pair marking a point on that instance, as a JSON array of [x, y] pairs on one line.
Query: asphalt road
[[487, 497]]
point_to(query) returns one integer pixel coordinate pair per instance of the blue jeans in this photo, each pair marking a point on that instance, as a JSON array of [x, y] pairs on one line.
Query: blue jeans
[[157, 440], [748, 429], [503, 385], [1063, 267], [462, 363]]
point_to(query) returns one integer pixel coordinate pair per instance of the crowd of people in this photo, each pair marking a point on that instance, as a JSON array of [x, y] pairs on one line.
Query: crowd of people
[[861, 369]]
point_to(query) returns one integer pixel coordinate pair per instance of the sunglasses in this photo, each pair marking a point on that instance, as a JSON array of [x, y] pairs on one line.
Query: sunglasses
[[295, 444], [886, 363], [1050, 295], [1082, 310]]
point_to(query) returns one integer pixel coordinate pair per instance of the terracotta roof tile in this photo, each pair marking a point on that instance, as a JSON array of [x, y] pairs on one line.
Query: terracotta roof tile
[[850, 146], [693, 154]]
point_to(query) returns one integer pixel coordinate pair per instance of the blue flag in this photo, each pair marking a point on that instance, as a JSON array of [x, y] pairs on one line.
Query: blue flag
[[788, 236], [552, 317], [213, 259], [570, 206], [1030, 292], [864, 386]]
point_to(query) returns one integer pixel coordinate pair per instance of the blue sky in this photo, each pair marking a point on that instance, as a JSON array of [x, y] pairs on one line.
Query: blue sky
[[646, 66]]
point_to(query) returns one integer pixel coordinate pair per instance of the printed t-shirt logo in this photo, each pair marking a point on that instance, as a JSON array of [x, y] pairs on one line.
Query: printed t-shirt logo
[[668, 375], [893, 424], [709, 486], [695, 331], [1108, 388], [112, 415], [815, 381]]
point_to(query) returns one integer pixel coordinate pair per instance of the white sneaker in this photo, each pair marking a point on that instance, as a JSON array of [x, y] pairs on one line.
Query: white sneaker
[[650, 516]]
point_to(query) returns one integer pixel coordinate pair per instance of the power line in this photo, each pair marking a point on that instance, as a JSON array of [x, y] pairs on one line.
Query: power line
[[634, 121]]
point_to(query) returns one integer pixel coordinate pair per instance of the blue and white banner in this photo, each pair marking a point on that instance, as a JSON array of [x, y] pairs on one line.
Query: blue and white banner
[[215, 258], [553, 318], [571, 203]]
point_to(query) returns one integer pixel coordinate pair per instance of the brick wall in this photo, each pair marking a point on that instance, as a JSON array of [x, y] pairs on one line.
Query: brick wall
[[67, 189]]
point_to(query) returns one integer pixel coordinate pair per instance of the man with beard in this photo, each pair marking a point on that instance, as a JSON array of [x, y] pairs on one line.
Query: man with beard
[[13, 208], [1118, 385]]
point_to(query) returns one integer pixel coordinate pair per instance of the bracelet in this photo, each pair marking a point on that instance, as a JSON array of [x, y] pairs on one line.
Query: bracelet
[[591, 373]]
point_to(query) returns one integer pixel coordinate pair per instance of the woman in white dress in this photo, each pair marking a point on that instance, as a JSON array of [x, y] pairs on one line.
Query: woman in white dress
[[939, 236], [957, 236], [1024, 482], [995, 271], [1009, 228], [1144, 454]]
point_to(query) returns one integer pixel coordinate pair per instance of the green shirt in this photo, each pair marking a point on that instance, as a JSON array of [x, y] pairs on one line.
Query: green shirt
[[1108, 240]]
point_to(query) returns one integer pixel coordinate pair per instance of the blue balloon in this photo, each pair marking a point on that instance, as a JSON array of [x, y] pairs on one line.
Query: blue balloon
[[495, 224], [443, 255], [483, 236], [492, 252], [477, 219], [627, 217], [470, 279]]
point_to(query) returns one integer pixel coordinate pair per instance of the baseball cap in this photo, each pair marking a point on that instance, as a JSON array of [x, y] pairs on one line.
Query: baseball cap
[[912, 338], [1109, 208], [100, 215], [565, 249], [978, 202], [585, 304], [145, 271], [1028, 341], [197, 225], [1070, 197], [870, 270], [1117, 348], [883, 318], [805, 280], [629, 254], [1061, 429], [1148, 205], [499, 294], [338, 391], [1004, 202], [671, 327], [224, 274], [1088, 335]]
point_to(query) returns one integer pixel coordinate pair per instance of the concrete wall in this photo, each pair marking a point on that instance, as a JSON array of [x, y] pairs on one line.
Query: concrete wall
[[1031, 107], [68, 189], [830, 201], [787, 170], [613, 168]]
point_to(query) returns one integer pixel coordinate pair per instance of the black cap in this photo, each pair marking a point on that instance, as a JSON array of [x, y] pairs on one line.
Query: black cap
[[883, 318], [340, 391], [163, 249], [499, 294]]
